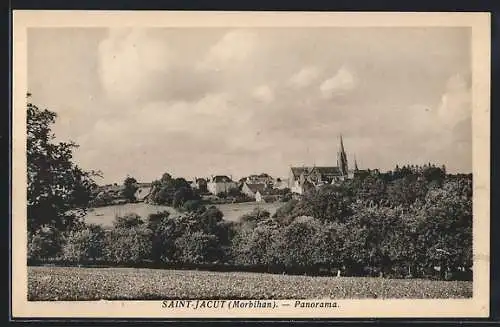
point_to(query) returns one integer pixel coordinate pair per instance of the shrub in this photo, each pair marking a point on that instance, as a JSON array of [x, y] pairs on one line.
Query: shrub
[[84, 244], [257, 215], [128, 245], [155, 219], [256, 245], [193, 206], [45, 243], [198, 247], [128, 221]]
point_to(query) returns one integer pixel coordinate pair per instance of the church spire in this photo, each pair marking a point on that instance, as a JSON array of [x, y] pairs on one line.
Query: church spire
[[342, 158], [341, 144], [355, 164]]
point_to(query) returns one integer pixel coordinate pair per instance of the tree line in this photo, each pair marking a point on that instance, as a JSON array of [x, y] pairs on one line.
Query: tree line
[[414, 221]]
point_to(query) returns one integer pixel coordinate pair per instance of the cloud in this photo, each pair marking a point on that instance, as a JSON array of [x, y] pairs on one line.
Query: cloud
[[456, 102], [128, 58], [234, 48], [340, 84], [264, 93], [202, 100], [304, 77], [139, 65]]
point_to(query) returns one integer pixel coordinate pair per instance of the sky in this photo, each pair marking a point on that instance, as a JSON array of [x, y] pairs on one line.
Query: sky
[[197, 102]]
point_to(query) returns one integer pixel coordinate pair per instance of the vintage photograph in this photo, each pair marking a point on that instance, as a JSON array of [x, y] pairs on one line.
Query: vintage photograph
[[249, 163]]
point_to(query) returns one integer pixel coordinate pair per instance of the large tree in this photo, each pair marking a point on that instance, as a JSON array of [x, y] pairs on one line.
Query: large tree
[[58, 190], [129, 188]]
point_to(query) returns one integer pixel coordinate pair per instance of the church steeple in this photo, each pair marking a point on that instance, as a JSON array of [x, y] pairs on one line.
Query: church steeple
[[355, 164], [342, 158]]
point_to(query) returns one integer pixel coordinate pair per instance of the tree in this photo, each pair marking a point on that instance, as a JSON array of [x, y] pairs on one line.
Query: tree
[[58, 189], [182, 195], [84, 244], [329, 202], [46, 242], [255, 216], [129, 189], [193, 206], [172, 192], [198, 247]]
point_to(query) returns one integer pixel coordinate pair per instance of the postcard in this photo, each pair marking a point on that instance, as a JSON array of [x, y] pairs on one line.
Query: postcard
[[188, 164]]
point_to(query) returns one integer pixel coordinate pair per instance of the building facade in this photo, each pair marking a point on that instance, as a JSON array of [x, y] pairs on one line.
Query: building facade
[[251, 190], [302, 178], [220, 184]]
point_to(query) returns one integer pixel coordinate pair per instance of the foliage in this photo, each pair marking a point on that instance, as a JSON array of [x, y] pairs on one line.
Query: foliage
[[84, 244], [172, 191], [257, 215], [129, 189], [198, 247], [377, 224], [328, 203], [253, 246], [128, 245], [402, 223], [44, 243], [56, 185], [193, 206], [130, 220], [182, 195]]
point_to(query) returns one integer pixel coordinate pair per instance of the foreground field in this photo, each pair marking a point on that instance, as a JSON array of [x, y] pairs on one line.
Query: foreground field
[[71, 283], [104, 216]]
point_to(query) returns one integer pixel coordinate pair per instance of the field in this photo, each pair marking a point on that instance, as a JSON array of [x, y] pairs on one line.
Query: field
[[104, 216], [71, 283]]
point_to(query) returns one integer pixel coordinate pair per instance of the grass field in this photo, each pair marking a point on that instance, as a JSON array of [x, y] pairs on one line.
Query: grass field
[[71, 283], [104, 216]]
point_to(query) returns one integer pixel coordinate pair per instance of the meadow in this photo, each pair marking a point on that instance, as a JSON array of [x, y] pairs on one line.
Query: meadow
[[78, 284], [104, 216]]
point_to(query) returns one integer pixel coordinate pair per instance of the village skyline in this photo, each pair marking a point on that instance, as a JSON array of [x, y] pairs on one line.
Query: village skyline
[[201, 102]]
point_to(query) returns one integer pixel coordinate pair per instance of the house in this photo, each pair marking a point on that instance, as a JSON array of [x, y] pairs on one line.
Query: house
[[304, 177], [199, 184], [259, 197], [143, 191], [280, 184], [251, 190], [220, 184]]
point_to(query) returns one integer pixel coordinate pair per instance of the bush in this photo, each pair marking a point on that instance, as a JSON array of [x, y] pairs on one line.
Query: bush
[[128, 221], [155, 219], [257, 215], [44, 243], [84, 244], [128, 245], [193, 206], [198, 247], [256, 245]]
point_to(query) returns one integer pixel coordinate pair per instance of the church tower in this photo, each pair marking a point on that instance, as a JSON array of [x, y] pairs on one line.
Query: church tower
[[342, 159]]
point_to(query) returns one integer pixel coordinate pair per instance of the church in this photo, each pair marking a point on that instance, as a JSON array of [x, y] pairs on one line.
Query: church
[[302, 178]]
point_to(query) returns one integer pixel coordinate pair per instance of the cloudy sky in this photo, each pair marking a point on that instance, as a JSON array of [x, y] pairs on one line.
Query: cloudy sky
[[196, 102]]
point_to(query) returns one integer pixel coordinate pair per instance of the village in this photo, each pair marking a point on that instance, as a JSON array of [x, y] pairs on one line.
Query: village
[[255, 187]]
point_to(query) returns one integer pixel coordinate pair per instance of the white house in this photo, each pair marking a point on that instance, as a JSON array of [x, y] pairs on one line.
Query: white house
[[143, 190], [251, 189], [220, 183]]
